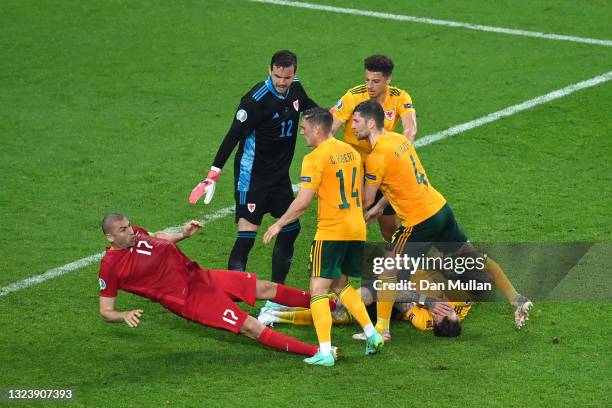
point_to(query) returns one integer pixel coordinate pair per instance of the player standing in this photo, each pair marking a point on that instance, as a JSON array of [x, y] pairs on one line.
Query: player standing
[[152, 266], [426, 218], [265, 126], [396, 103], [332, 171]]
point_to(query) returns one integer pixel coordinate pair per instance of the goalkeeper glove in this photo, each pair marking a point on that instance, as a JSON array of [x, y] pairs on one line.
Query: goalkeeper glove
[[206, 187]]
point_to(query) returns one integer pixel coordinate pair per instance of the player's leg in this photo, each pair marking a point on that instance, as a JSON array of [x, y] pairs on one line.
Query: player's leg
[[322, 320], [453, 233], [352, 264], [248, 218], [247, 233], [281, 294], [385, 297], [210, 301], [299, 317], [283, 246], [323, 270], [413, 242], [268, 337]]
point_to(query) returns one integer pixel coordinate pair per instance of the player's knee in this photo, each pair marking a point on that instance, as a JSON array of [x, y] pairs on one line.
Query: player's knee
[[265, 289], [252, 328]]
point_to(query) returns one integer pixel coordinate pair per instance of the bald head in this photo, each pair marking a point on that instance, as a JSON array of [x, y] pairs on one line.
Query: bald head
[[109, 219]]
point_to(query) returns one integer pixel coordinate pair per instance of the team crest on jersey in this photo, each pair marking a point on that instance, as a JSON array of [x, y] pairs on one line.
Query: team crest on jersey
[[102, 284], [251, 207], [241, 115], [296, 105], [390, 114]]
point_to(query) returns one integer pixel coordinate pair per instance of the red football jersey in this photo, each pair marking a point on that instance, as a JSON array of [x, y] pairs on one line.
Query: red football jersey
[[152, 268]]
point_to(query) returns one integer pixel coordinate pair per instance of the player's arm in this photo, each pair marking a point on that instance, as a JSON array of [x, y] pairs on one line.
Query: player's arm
[[246, 119], [336, 125], [187, 231], [430, 302], [369, 194], [109, 313], [410, 125], [342, 112], [307, 103], [376, 210], [297, 208]]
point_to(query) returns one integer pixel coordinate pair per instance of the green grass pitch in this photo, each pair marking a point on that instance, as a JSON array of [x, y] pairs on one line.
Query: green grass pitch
[[121, 105]]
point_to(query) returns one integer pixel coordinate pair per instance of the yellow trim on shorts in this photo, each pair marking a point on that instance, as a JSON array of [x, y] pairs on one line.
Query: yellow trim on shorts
[[398, 249], [316, 258]]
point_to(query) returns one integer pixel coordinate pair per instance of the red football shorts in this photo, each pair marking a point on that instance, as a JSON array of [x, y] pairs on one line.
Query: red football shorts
[[211, 296]]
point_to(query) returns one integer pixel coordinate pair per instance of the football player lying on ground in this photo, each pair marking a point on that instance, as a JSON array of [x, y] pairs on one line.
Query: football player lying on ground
[[152, 266], [424, 312]]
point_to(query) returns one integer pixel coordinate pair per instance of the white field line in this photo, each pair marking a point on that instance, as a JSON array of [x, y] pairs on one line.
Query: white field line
[[511, 110], [424, 20], [83, 262], [424, 141]]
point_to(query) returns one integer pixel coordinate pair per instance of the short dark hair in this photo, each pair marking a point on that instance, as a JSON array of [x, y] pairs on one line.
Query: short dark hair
[[371, 109], [284, 59], [108, 220], [379, 63], [447, 328], [319, 117]]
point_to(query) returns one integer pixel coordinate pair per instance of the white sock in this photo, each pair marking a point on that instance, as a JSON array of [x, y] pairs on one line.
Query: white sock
[[325, 348], [369, 330]]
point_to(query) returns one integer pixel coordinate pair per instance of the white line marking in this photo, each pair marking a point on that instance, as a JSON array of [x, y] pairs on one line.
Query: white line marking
[[511, 110], [424, 141], [83, 262], [424, 20]]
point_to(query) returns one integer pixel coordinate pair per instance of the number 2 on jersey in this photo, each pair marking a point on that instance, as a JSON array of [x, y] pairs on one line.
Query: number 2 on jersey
[[354, 191]]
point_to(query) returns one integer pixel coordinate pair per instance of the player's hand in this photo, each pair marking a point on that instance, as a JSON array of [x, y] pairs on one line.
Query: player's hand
[[373, 213], [206, 187], [271, 233], [441, 308], [132, 318], [191, 228]]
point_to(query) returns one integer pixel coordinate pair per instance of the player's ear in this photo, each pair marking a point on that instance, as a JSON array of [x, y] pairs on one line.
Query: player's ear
[[109, 238], [388, 79]]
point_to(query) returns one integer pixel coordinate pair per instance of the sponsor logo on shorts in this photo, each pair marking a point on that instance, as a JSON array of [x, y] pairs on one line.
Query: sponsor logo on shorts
[[296, 105], [390, 114], [305, 179], [241, 115], [370, 176], [102, 284], [251, 207]]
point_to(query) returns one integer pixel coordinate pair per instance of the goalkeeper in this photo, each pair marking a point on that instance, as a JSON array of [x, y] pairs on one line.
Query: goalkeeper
[[265, 128]]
